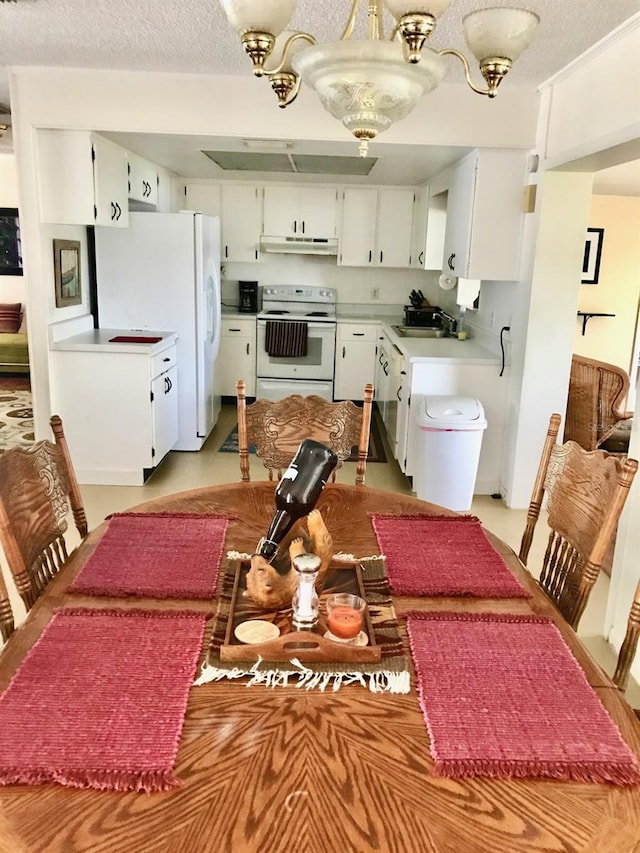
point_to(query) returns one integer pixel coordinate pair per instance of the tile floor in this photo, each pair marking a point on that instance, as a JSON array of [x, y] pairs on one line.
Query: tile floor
[[181, 471]]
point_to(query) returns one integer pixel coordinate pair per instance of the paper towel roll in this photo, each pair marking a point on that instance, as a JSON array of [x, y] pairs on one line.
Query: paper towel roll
[[447, 281]]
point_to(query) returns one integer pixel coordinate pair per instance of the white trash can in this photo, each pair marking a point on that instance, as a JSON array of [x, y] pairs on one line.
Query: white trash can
[[447, 438]]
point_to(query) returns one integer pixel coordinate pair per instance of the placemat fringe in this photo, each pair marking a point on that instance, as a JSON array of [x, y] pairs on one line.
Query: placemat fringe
[[101, 780], [501, 769], [378, 682]]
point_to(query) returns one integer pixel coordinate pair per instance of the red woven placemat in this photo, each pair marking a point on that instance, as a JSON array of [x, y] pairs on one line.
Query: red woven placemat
[[158, 555], [503, 696], [99, 701], [443, 555]]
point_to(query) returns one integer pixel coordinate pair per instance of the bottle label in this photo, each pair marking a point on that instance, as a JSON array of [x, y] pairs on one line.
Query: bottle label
[[290, 474]]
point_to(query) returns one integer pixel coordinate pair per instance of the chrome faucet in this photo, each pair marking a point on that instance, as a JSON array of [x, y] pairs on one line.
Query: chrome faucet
[[449, 323]]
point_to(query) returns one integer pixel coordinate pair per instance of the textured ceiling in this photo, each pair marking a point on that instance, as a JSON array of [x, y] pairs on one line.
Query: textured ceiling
[[193, 35]]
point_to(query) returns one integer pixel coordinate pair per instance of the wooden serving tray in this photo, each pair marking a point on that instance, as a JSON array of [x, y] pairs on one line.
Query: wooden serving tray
[[306, 646]]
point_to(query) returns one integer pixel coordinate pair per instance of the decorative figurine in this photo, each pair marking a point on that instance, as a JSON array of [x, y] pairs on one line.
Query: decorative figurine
[[271, 586]]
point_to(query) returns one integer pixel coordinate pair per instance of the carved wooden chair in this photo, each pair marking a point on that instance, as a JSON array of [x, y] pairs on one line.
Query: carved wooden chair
[[597, 391], [585, 493], [37, 487], [6, 613], [629, 646], [276, 428]]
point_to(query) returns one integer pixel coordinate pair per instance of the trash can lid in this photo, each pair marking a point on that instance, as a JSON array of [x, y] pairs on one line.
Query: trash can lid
[[450, 412]]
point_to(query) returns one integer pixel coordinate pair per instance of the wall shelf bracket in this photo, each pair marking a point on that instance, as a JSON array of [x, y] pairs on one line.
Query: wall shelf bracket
[[587, 315]]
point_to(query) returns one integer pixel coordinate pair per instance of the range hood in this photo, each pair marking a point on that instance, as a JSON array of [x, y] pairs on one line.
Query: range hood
[[300, 245]]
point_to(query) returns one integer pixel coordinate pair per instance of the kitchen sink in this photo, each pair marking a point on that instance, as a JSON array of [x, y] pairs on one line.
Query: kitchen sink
[[418, 332]]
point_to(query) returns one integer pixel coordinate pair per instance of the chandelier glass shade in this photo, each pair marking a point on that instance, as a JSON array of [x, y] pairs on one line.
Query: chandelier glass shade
[[368, 84]]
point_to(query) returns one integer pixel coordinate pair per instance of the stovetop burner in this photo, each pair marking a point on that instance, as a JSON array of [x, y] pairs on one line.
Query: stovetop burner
[[311, 303]]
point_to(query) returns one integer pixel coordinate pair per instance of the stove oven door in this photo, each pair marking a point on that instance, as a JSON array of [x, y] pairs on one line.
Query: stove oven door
[[316, 364]]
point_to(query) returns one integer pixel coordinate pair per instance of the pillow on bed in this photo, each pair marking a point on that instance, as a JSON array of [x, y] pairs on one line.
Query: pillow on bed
[[10, 317]]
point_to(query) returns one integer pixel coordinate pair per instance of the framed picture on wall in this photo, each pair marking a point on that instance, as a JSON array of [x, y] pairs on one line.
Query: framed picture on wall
[[10, 250], [592, 256], [66, 266]]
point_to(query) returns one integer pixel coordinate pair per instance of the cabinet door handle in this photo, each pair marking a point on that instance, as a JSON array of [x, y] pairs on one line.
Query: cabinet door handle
[[234, 330], [358, 334], [451, 261], [166, 359], [303, 226], [119, 211], [398, 397], [403, 373], [421, 258], [380, 257], [295, 225], [344, 352], [370, 254], [226, 251], [248, 348], [113, 211]]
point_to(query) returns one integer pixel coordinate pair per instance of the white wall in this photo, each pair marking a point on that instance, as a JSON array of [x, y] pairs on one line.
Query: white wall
[[590, 119], [617, 292]]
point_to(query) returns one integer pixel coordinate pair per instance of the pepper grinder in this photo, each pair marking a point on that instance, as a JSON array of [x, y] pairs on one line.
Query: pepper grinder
[[305, 599]]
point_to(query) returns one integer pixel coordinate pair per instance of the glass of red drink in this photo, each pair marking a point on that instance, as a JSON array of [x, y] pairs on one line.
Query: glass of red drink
[[345, 613]]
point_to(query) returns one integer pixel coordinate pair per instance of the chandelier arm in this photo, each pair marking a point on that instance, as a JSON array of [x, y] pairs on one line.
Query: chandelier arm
[[450, 51], [377, 6], [351, 22], [285, 52]]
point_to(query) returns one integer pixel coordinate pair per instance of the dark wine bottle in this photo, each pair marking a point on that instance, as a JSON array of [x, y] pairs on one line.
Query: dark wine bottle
[[298, 490]]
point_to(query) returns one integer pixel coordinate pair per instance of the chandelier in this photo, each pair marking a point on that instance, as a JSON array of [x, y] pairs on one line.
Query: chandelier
[[369, 84]]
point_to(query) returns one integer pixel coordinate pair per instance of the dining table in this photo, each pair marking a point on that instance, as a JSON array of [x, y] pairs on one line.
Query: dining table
[[265, 768]]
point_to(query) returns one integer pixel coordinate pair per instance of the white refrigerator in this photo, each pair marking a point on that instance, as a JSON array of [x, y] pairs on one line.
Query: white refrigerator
[[163, 272]]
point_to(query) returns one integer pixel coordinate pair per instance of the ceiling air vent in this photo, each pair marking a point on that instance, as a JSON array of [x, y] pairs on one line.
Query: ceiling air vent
[[302, 164]]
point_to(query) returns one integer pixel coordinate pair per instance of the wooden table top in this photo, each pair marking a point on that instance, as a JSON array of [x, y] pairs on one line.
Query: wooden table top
[[285, 769]]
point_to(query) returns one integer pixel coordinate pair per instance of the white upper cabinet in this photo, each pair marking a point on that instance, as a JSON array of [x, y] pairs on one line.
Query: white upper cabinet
[[293, 211], [83, 179], [143, 180], [241, 220], [427, 234], [376, 227], [395, 214], [239, 207], [484, 215], [203, 198]]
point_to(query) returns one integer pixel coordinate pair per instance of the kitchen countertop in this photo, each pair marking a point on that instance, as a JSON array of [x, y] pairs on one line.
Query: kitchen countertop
[[419, 350], [97, 340]]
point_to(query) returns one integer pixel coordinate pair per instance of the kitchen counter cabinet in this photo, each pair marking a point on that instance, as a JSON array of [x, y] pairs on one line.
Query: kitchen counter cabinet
[[355, 359], [441, 366], [241, 221], [118, 403], [84, 179], [237, 355]]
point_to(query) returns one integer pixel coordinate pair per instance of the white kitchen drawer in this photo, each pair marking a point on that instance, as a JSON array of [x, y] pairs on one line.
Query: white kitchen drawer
[[243, 328], [357, 332], [163, 361]]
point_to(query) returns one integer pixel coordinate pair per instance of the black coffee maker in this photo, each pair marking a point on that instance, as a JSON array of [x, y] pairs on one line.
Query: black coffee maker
[[248, 297]]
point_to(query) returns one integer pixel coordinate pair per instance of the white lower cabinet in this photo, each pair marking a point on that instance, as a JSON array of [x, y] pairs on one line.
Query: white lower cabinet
[[355, 359], [119, 410], [237, 356]]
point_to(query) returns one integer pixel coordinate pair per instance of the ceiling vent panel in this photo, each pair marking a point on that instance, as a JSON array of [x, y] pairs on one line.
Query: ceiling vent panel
[[254, 161], [320, 164]]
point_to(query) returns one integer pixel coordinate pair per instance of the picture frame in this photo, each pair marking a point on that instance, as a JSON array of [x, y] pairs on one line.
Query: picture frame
[[66, 267], [592, 256], [10, 246]]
